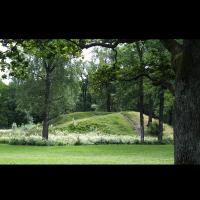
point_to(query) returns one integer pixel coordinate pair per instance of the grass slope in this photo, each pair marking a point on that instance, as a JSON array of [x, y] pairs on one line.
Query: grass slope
[[111, 123], [135, 116], [76, 115], [87, 154]]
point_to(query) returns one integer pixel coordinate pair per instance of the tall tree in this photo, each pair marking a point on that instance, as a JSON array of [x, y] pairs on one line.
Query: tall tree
[[140, 51], [161, 109], [102, 78], [186, 62], [48, 52]]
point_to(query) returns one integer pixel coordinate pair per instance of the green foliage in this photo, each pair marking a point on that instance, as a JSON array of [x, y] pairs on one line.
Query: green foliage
[[153, 129], [77, 139], [87, 126], [77, 85], [63, 95], [101, 79], [9, 113]]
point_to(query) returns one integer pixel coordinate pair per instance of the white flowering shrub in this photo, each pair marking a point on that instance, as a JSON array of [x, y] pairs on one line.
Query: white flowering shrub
[[31, 135]]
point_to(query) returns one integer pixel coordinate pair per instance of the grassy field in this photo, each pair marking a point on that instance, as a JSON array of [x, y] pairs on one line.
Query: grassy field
[[87, 154]]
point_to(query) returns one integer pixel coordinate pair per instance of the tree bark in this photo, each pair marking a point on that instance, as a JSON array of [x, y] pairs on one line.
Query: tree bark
[[150, 111], [140, 51], [161, 109], [85, 99], [170, 119], [141, 106], [187, 105], [46, 106], [85, 95], [108, 102]]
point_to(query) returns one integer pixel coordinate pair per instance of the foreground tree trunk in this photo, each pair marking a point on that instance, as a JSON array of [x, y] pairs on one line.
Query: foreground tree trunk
[[187, 105], [141, 106], [161, 109], [170, 119]]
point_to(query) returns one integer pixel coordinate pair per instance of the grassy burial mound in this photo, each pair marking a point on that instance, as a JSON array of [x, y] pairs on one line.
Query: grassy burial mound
[[86, 128]]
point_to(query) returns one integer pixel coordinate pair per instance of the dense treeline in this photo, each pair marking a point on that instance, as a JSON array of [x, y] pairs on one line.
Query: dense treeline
[[104, 84]]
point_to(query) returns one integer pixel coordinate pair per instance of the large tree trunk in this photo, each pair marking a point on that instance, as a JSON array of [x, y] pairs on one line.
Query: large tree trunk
[[150, 111], [187, 105], [141, 104], [46, 107], [161, 109], [170, 119]]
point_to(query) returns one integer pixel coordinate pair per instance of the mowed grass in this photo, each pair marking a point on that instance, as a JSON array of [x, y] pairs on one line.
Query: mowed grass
[[76, 116], [87, 154], [104, 122]]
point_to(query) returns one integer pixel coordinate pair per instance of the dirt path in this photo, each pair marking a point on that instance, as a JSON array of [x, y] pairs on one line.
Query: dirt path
[[134, 126]]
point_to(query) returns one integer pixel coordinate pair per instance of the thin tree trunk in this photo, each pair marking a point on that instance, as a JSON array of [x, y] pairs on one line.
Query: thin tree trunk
[[161, 109], [84, 98], [108, 102], [141, 98], [187, 105], [150, 111], [140, 51], [84, 103], [85, 95], [46, 107]]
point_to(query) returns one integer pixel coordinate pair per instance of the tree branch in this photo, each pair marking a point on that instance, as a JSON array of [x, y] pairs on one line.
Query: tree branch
[[57, 99], [108, 43], [172, 46], [165, 84]]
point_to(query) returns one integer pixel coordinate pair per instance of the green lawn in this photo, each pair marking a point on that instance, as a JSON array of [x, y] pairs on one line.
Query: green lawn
[[86, 154]]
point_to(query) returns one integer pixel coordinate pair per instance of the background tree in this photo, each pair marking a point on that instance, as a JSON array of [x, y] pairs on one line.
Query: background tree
[[9, 112], [48, 53], [63, 96], [85, 99], [102, 79]]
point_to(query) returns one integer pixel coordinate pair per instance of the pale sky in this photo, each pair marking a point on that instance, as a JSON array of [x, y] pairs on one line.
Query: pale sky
[[87, 53]]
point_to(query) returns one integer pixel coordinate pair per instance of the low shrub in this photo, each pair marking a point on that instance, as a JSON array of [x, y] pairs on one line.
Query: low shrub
[[88, 126], [153, 129], [61, 138]]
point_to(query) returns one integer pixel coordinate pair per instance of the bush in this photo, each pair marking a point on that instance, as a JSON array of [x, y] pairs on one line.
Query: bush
[[78, 141], [60, 138], [88, 126], [153, 129]]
